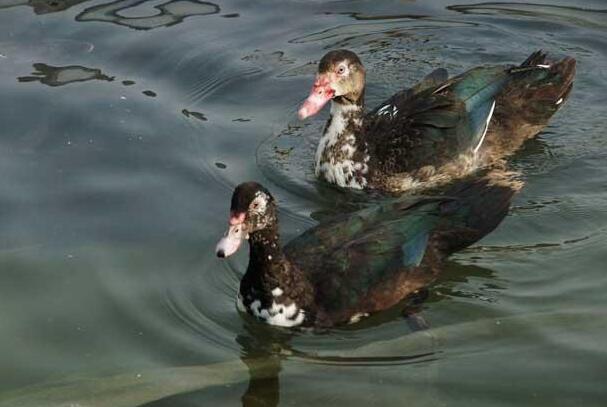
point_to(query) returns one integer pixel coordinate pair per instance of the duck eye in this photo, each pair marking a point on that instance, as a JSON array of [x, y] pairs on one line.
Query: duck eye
[[255, 205], [341, 70]]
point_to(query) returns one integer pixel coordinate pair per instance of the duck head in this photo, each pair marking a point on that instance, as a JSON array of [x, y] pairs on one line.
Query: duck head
[[252, 209], [340, 77]]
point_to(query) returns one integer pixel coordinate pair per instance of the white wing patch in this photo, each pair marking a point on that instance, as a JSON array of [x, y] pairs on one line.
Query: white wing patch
[[383, 110], [442, 87], [486, 128], [390, 110]]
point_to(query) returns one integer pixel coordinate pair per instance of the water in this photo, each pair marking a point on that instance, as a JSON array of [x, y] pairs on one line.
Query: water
[[125, 126]]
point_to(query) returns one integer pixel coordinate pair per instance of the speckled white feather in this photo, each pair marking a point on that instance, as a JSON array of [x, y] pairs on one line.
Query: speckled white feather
[[279, 314], [340, 172], [260, 202]]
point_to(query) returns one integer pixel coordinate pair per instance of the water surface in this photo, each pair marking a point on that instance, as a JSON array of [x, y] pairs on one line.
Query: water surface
[[125, 126]]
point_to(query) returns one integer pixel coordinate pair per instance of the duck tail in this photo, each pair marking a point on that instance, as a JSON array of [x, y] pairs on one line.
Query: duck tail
[[550, 85], [537, 89], [477, 208]]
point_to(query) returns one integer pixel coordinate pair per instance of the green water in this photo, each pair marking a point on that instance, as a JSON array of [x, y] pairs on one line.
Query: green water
[[125, 126]]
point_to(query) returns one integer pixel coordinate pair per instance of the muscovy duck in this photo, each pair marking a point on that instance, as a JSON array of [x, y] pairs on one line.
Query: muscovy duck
[[437, 131], [358, 263]]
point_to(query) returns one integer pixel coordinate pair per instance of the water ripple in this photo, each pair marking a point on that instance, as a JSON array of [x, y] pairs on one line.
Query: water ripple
[[165, 15], [584, 17]]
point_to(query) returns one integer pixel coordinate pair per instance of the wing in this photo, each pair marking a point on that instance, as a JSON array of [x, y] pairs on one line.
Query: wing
[[348, 258], [437, 124], [378, 252], [432, 80], [331, 234]]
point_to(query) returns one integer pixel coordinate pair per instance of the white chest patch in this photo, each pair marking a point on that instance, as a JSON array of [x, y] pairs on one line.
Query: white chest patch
[[278, 314], [336, 165]]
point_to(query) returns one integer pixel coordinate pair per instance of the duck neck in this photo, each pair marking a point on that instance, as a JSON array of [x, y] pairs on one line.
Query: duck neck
[[265, 252], [357, 99], [341, 152], [346, 117], [273, 289]]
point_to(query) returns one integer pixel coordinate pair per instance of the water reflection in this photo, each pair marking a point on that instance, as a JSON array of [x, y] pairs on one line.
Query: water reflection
[[168, 188], [42, 6], [262, 343], [268, 60], [163, 15], [467, 281], [62, 75], [584, 17], [273, 346], [361, 34], [195, 115]]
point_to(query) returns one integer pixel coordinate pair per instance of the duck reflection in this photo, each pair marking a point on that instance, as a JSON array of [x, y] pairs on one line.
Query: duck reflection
[[62, 75], [262, 342], [469, 281], [264, 347], [163, 15]]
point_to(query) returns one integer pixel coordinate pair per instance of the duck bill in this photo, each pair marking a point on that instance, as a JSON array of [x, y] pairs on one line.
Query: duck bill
[[321, 93], [231, 241]]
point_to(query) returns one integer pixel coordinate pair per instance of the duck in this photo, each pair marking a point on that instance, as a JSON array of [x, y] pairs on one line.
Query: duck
[[356, 264], [440, 130]]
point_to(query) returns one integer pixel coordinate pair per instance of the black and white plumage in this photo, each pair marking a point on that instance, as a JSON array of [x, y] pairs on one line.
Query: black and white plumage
[[439, 130], [360, 263]]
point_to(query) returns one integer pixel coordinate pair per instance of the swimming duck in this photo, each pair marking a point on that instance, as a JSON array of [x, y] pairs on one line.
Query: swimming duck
[[360, 263], [439, 130]]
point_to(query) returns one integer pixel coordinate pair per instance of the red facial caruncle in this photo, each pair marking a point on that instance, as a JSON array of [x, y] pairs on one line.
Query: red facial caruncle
[[321, 93]]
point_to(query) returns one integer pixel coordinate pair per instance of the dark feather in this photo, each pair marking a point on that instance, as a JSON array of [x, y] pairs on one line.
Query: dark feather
[[362, 260], [494, 108]]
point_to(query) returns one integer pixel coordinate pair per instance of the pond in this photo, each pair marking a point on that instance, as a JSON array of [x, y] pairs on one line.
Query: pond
[[125, 126]]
